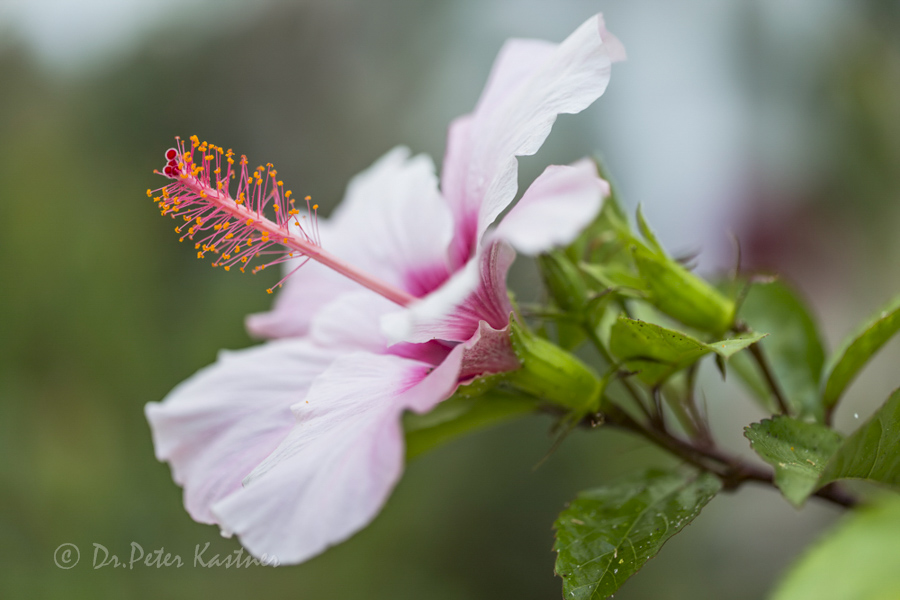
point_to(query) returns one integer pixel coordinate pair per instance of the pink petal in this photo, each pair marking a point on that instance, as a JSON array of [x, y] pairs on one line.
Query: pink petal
[[555, 209], [334, 471], [529, 86], [392, 223], [475, 293], [217, 426], [302, 295], [395, 223]]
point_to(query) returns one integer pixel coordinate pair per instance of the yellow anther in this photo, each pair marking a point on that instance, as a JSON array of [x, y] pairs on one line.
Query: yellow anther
[[269, 290], [227, 268], [315, 207], [308, 198], [149, 193]]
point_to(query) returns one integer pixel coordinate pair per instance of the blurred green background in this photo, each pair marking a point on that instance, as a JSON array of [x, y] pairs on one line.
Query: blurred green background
[[777, 121]]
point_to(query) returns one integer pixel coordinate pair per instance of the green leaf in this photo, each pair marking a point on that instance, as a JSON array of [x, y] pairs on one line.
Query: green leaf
[[728, 348], [858, 559], [856, 350], [657, 352], [872, 452], [797, 450], [793, 348], [682, 295], [462, 414], [607, 534]]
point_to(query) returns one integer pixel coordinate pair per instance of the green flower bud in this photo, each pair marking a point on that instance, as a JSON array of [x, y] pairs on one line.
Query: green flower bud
[[563, 281], [682, 295], [553, 374]]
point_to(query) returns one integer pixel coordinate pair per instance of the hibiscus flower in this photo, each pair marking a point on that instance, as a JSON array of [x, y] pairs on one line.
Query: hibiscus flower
[[296, 444]]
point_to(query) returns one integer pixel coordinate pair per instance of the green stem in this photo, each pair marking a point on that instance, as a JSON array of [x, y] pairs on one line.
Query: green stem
[[760, 358]]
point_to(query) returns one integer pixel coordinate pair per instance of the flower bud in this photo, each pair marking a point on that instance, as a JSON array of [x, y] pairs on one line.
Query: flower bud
[[553, 374], [563, 280], [682, 295]]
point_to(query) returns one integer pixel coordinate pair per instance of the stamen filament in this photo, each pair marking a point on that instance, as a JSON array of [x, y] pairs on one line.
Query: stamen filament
[[237, 229]]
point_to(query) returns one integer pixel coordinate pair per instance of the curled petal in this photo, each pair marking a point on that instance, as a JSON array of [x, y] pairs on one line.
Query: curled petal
[[475, 293], [530, 85], [555, 209]]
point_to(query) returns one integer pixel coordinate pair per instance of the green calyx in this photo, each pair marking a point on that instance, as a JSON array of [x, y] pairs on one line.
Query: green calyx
[[551, 373]]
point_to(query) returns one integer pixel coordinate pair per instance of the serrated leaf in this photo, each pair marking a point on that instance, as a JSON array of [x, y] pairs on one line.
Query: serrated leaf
[[461, 414], [797, 450], [658, 352], [793, 348], [872, 452], [856, 350], [858, 559], [607, 534]]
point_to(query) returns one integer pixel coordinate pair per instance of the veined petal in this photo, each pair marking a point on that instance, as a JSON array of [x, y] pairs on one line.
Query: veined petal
[[395, 224], [555, 209], [217, 426], [475, 293], [350, 323], [334, 471], [522, 100]]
